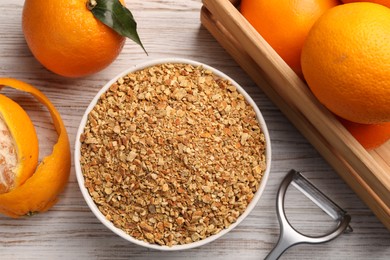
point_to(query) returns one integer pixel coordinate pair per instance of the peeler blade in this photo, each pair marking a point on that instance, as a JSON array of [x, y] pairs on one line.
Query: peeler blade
[[289, 236], [315, 195]]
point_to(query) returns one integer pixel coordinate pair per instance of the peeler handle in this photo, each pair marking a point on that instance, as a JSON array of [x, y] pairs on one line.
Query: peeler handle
[[288, 235]]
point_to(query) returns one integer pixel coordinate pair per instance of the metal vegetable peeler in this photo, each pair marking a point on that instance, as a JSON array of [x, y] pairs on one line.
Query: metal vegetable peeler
[[290, 236]]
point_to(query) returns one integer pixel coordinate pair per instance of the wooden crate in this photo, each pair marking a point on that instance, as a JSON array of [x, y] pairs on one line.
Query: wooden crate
[[366, 172]]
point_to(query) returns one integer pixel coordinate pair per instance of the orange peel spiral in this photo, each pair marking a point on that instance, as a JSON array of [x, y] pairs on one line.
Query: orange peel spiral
[[40, 192]]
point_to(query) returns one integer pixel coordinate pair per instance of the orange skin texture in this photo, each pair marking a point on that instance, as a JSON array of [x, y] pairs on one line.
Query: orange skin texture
[[284, 24], [41, 190], [67, 39], [25, 138], [382, 2], [346, 62]]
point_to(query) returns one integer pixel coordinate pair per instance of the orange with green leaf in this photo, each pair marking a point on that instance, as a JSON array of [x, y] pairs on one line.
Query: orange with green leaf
[[76, 38]]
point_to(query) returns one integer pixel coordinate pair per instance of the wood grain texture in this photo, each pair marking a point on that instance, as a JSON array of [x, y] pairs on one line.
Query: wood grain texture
[[171, 28]]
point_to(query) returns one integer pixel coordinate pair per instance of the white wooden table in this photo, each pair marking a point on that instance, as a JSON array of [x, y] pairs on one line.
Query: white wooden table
[[69, 230]]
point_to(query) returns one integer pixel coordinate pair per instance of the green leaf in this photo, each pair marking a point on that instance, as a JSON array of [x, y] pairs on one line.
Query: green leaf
[[116, 16]]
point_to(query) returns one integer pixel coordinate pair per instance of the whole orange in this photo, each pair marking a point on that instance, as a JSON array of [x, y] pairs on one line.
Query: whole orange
[[346, 61], [370, 136], [382, 2], [67, 39], [284, 24]]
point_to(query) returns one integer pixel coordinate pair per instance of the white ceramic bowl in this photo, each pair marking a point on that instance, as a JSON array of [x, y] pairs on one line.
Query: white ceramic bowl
[[121, 233]]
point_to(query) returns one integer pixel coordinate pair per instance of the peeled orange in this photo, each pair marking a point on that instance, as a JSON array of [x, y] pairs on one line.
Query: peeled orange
[[18, 145]]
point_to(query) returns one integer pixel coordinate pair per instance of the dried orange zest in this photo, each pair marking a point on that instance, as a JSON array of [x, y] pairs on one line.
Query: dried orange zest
[[18, 145], [41, 190]]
